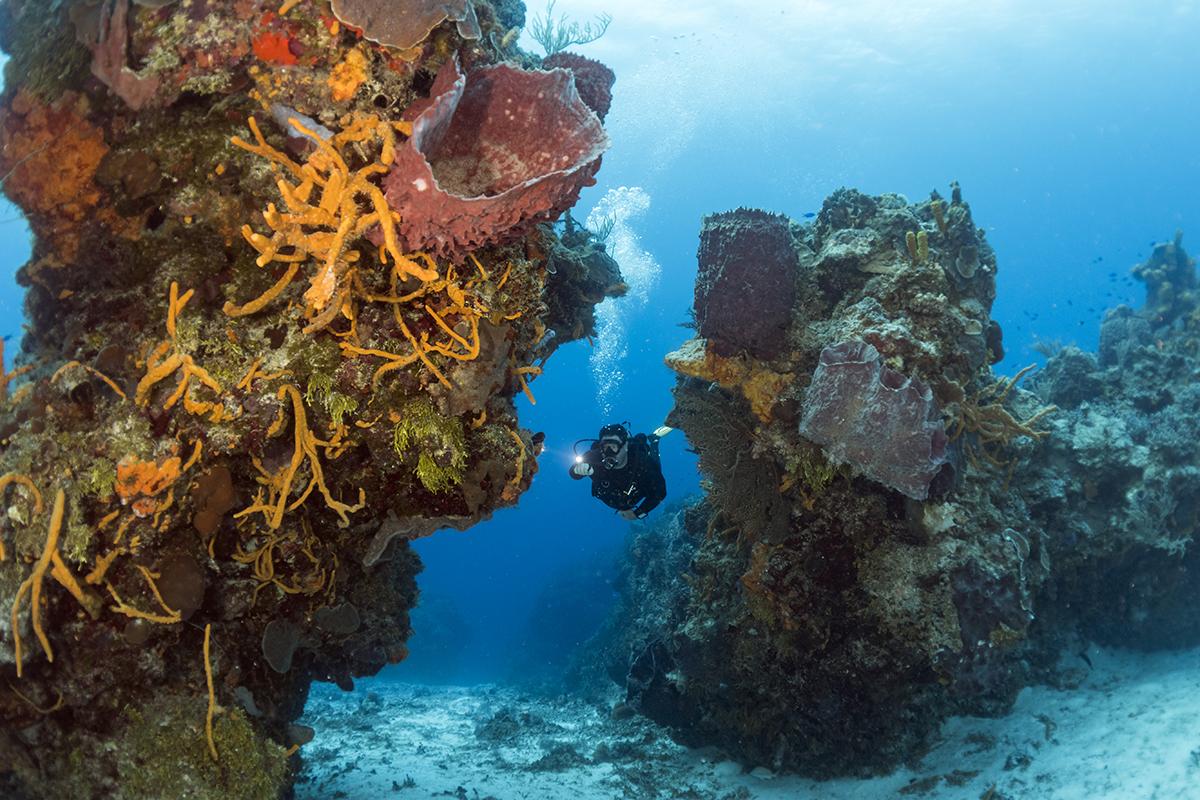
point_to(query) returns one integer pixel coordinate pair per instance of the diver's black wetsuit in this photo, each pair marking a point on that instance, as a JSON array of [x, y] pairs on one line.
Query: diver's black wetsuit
[[639, 485]]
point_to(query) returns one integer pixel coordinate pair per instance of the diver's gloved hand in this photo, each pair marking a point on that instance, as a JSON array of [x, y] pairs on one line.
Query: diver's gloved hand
[[629, 514], [581, 469], [662, 430]]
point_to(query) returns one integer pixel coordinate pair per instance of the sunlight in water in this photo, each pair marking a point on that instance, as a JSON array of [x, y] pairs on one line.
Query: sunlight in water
[[619, 208]]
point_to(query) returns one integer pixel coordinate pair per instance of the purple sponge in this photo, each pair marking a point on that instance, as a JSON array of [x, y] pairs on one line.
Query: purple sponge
[[881, 422]]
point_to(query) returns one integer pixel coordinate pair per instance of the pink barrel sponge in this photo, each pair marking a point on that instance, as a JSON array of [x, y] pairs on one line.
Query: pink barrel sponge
[[881, 422], [491, 154], [593, 80]]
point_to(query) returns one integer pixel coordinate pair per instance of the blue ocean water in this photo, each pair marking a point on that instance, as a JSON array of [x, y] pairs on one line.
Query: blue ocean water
[[1071, 125]]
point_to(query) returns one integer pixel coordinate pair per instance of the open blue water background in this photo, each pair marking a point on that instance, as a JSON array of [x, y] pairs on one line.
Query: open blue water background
[[1072, 125]]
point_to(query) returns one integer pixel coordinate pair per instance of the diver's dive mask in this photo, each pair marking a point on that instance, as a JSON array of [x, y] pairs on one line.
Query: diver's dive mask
[[610, 452], [612, 442]]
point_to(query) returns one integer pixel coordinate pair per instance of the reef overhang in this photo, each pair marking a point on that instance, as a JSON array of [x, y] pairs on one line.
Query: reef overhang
[[248, 379]]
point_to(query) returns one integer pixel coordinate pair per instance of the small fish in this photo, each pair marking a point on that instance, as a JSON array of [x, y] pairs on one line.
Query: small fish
[[809, 214]]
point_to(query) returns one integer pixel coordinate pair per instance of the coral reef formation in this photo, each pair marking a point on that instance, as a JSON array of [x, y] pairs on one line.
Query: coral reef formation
[[854, 575], [1119, 473], [253, 370], [892, 534], [556, 33]]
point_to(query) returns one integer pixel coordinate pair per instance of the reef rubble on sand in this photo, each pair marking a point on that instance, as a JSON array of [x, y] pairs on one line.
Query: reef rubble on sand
[[258, 361], [891, 533], [1125, 730]]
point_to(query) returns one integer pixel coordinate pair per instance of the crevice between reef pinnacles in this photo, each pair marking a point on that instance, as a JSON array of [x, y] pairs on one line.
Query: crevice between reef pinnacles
[[254, 369], [891, 533]]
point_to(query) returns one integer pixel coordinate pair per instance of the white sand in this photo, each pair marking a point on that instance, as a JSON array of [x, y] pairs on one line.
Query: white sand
[[1131, 731]]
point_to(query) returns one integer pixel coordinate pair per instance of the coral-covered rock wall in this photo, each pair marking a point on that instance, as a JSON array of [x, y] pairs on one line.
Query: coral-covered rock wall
[[861, 567], [1118, 478], [281, 297], [892, 534]]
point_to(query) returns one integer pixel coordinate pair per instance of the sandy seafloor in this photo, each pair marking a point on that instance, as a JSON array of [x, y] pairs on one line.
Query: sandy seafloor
[[1130, 730]]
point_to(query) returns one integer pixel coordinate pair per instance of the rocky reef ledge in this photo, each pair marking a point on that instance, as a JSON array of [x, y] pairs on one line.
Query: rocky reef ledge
[[291, 264], [891, 533]]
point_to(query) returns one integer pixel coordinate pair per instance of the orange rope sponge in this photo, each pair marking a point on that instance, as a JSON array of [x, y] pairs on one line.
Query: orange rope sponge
[[22, 480], [77, 365], [212, 699], [166, 360], [513, 488], [7, 377], [347, 207], [304, 448], [33, 585]]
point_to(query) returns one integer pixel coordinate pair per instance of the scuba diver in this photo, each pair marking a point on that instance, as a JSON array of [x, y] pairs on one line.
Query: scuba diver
[[625, 471]]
